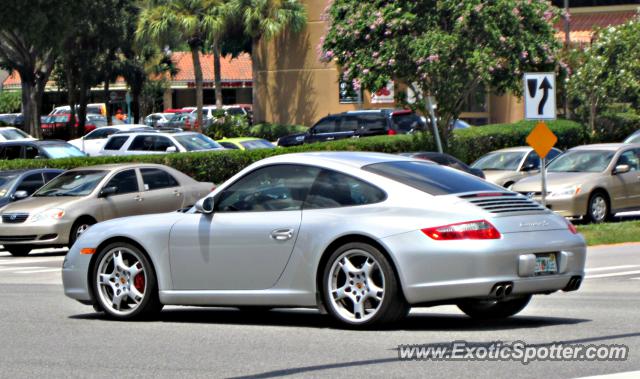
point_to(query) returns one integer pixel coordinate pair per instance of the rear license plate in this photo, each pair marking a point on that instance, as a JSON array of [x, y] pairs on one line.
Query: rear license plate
[[546, 264]]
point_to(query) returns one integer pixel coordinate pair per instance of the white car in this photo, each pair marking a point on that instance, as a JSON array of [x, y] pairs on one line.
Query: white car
[[155, 142], [10, 133], [208, 112], [93, 142], [157, 120]]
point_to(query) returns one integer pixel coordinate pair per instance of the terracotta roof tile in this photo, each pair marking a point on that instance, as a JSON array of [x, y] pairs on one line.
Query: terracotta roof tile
[[583, 24]]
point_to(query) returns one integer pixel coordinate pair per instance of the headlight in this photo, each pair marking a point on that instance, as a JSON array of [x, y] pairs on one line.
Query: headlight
[[566, 192], [49, 214]]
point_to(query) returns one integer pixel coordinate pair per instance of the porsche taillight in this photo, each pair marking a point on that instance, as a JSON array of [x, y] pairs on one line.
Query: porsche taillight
[[472, 230]]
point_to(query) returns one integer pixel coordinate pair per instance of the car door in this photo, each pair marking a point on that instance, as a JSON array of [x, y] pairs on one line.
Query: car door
[[161, 191], [246, 243], [127, 200], [626, 191], [347, 127], [323, 130]]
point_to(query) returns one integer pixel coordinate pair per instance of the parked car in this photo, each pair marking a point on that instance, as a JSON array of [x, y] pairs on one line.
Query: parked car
[[591, 181], [132, 143], [93, 142], [185, 121], [9, 133], [157, 120], [59, 212], [8, 118], [505, 167], [444, 159], [357, 124], [51, 149], [246, 143], [96, 108], [19, 184], [209, 112], [363, 235], [633, 138], [98, 120], [58, 126]]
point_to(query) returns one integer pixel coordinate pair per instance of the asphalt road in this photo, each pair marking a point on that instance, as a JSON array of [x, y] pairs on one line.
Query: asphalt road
[[44, 334]]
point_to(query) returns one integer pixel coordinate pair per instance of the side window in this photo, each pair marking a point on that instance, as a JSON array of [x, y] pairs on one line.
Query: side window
[[228, 145], [31, 183], [553, 154], [333, 189], [348, 124], [533, 161], [326, 125], [100, 133], [12, 152], [151, 143], [271, 188], [630, 158], [31, 152], [50, 175], [116, 143], [373, 122], [154, 178], [125, 181]]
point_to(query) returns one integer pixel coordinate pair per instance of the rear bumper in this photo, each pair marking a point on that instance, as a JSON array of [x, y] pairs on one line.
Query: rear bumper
[[446, 270]]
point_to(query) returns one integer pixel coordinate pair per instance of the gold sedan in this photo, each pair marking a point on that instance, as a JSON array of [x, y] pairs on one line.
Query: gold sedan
[[591, 181]]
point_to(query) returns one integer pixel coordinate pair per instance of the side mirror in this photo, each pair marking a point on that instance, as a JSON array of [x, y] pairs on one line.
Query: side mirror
[[529, 167], [621, 169], [19, 195], [172, 149], [108, 191], [205, 205]]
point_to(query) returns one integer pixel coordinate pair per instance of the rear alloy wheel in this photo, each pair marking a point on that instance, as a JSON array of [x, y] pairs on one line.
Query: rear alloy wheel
[[124, 282], [360, 287], [598, 211], [494, 309], [18, 250]]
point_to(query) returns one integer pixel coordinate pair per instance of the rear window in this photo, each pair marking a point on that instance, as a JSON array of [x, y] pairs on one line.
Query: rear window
[[430, 178]]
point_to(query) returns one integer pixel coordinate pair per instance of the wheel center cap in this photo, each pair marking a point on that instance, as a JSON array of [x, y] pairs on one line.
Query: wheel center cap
[[359, 285], [123, 280]]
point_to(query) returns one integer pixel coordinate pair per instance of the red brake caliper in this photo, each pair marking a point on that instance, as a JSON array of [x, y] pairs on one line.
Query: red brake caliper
[[139, 280]]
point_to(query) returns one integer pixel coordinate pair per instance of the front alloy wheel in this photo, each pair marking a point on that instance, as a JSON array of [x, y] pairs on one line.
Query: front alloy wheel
[[598, 208], [360, 287], [124, 282]]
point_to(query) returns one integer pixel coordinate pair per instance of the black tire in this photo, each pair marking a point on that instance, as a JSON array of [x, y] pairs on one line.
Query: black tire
[[150, 304], [393, 306], [77, 226], [601, 198], [493, 309], [19, 250]]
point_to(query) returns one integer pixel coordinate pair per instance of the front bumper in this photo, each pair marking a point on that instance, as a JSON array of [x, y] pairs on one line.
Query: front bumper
[[44, 234], [432, 271], [75, 275]]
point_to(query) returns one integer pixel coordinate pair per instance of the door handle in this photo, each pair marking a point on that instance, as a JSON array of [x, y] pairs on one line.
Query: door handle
[[330, 138], [282, 234], [138, 198], [177, 193]]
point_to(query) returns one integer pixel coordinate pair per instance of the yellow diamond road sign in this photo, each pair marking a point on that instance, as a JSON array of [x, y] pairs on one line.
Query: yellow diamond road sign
[[542, 139]]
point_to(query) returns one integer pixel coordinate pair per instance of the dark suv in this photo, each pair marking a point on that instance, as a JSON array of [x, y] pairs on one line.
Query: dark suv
[[357, 124]]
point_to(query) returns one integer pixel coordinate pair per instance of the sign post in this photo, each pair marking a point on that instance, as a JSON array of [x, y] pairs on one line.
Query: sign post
[[540, 104]]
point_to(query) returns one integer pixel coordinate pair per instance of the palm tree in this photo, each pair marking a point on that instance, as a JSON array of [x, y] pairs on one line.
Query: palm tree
[[192, 21], [265, 19]]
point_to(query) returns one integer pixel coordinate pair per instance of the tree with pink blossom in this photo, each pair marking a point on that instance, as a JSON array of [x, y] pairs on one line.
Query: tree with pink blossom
[[443, 48]]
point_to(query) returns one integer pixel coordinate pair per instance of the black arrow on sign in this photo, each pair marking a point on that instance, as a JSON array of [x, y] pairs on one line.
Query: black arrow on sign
[[544, 86]]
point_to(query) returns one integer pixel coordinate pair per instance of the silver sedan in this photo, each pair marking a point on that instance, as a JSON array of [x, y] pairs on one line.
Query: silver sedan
[[362, 236]]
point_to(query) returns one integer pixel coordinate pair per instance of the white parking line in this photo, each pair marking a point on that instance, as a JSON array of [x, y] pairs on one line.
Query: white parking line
[[36, 271], [18, 261], [609, 268], [624, 273], [21, 268]]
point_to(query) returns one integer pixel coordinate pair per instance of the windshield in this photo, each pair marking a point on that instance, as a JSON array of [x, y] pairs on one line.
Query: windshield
[[72, 183], [235, 111], [581, 161], [13, 134], [257, 144], [500, 160], [195, 142], [62, 151], [430, 177], [6, 181]]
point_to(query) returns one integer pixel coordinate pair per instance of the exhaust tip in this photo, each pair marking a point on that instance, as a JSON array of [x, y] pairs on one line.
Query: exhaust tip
[[499, 291], [508, 289]]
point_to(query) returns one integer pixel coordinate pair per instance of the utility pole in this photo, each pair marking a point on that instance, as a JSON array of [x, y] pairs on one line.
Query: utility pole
[[567, 44]]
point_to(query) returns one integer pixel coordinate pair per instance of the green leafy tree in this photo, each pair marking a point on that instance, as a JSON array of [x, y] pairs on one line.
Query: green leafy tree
[[31, 33], [265, 19], [10, 101], [608, 71], [445, 49], [193, 22]]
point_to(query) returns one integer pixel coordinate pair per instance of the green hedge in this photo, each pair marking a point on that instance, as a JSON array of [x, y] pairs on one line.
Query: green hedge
[[470, 144], [616, 127], [467, 144]]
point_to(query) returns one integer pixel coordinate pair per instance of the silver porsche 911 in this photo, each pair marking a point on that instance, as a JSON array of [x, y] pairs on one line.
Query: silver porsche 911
[[364, 236]]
